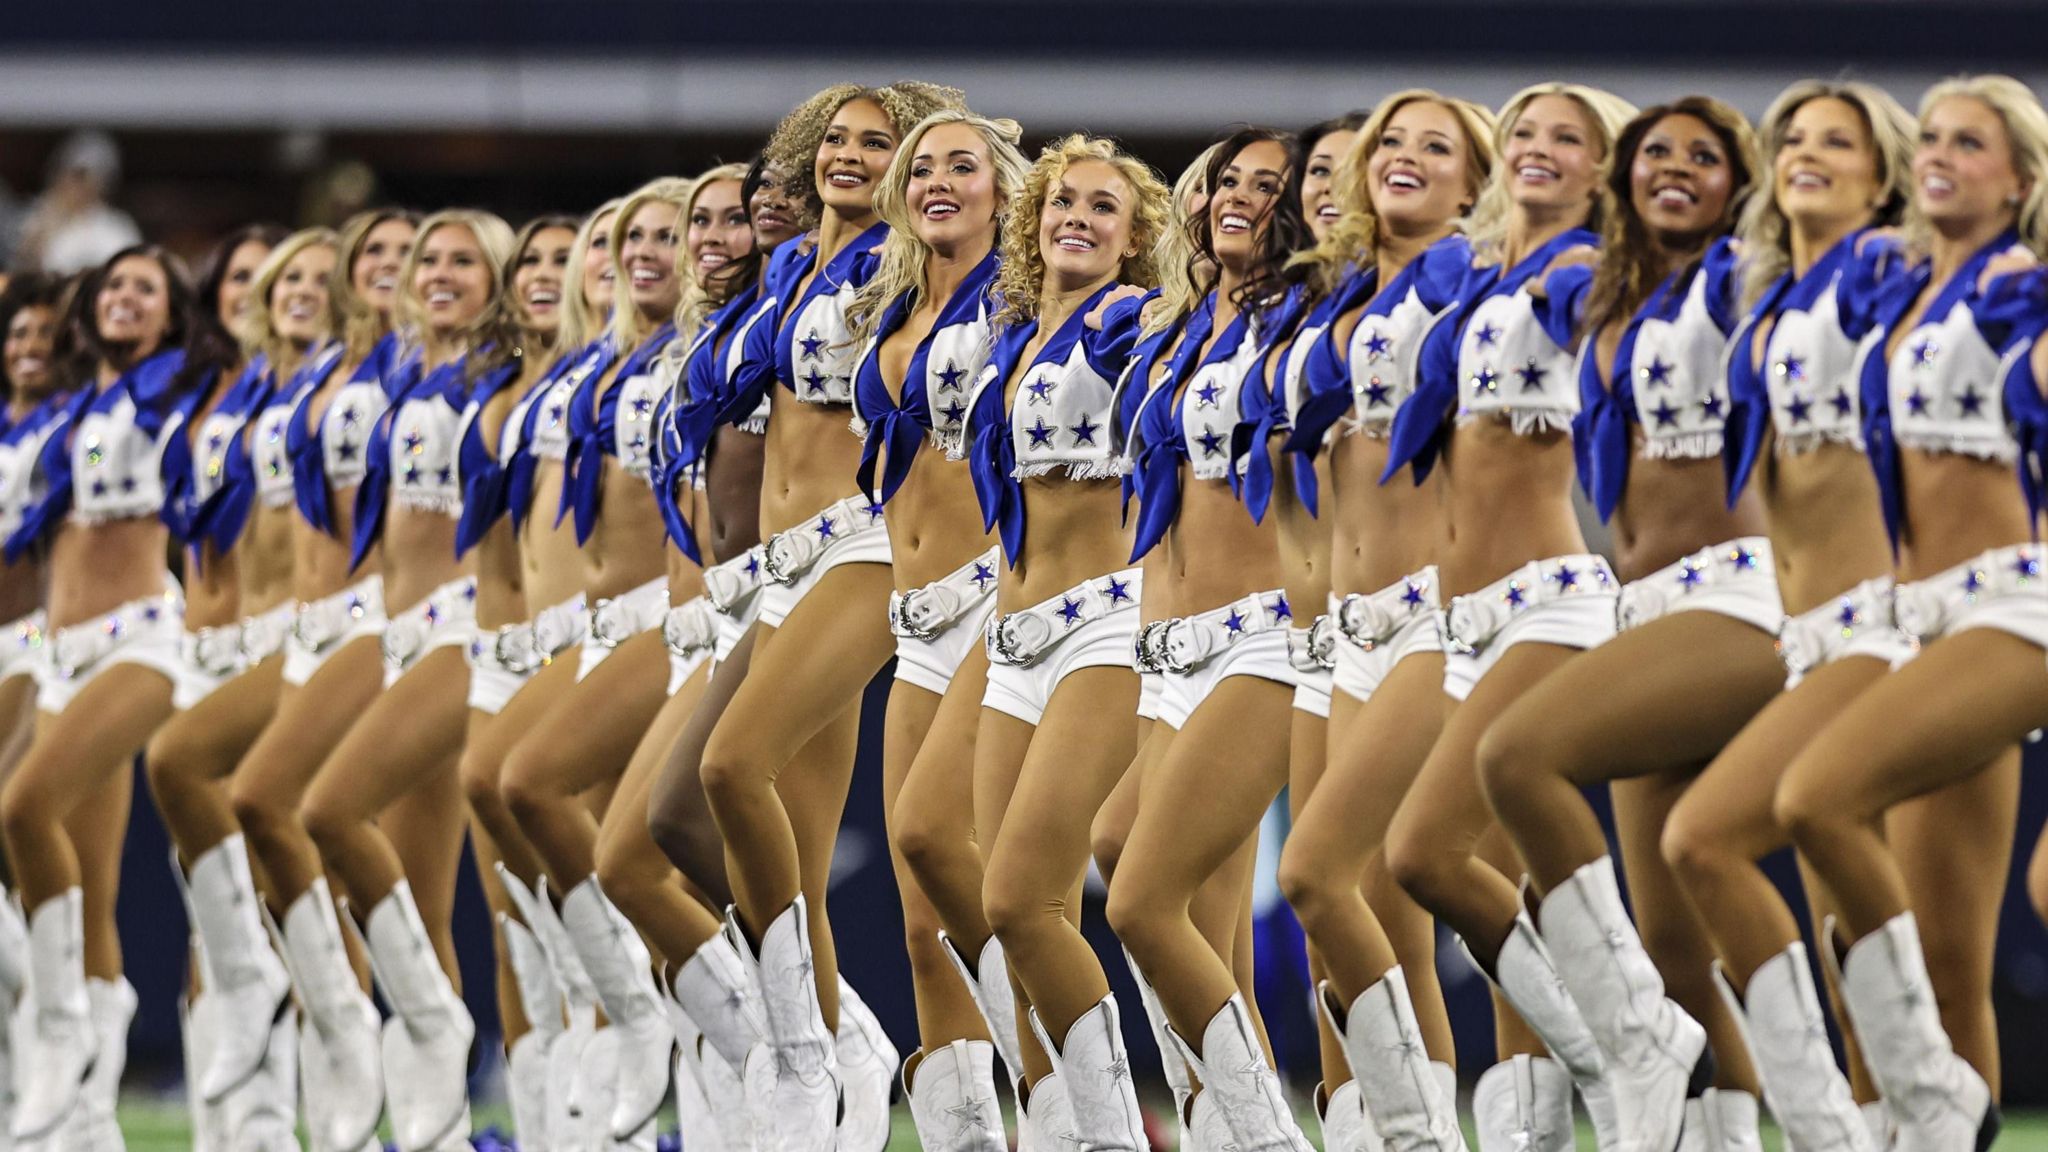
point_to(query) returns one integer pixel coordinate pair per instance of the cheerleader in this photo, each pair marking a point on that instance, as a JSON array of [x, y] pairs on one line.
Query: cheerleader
[[333, 668], [30, 317], [777, 766], [1225, 666], [105, 682], [926, 319], [1813, 270], [533, 293], [1390, 263], [1970, 592], [1055, 732]]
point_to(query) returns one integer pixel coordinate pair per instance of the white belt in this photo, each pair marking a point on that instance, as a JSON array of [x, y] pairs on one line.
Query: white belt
[[1472, 621], [1019, 639], [1314, 648], [1370, 619], [264, 634], [215, 651], [1734, 565], [1819, 636], [1927, 609], [791, 552], [923, 613], [30, 631], [77, 648], [620, 618], [319, 623], [523, 647], [1186, 643], [728, 585], [408, 634], [691, 627]]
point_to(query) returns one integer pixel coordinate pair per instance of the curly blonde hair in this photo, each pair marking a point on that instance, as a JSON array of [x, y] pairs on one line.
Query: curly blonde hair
[[904, 254], [1606, 114], [793, 148], [700, 299], [580, 323], [628, 326], [2026, 129], [1022, 277], [257, 329], [361, 325]]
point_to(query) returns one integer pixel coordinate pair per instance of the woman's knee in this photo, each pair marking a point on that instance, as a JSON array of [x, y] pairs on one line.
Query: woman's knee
[[1511, 757], [927, 840], [1138, 911], [1307, 884], [328, 824], [1015, 909], [1692, 845], [730, 772], [260, 809], [526, 787], [629, 874], [1421, 865], [479, 776]]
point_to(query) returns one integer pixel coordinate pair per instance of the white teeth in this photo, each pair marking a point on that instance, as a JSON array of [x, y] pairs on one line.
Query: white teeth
[[1535, 173], [940, 210], [28, 364], [543, 296], [1940, 184], [385, 284], [1675, 197], [847, 179], [1403, 180], [1076, 243], [713, 260], [1234, 222], [1808, 180], [1327, 212], [645, 276], [436, 299]]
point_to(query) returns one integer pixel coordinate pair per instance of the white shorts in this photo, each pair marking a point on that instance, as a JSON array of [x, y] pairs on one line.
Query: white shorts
[[148, 631], [2005, 589], [21, 645], [1026, 662], [214, 656], [1565, 600], [1737, 580], [1150, 685], [1310, 653], [1856, 623], [445, 619], [325, 626], [734, 589], [691, 632], [939, 625], [1246, 637], [1377, 630], [491, 684], [849, 532], [619, 619]]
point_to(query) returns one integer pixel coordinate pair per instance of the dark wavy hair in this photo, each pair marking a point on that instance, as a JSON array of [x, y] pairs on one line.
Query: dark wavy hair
[[94, 350], [210, 347], [1286, 230], [24, 291]]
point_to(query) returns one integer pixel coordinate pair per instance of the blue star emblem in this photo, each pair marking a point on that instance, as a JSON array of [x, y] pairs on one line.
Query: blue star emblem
[[811, 345], [816, 379], [949, 376], [1658, 372], [1487, 334], [826, 529], [955, 412], [1485, 380], [1710, 405], [1207, 396], [1377, 345], [433, 614], [1916, 403], [1848, 617], [1532, 375], [469, 592], [2026, 566], [1925, 351], [1084, 432], [1843, 405], [1792, 369], [1691, 575], [1666, 415], [1070, 610], [642, 406], [1041, 390], [349, 416], [1211, 442], [127, 483], [1235, 621], [1741, 557], [1971, 401], [1376, 394], [753, 565], [874, 512], [1280, 608], [1973, 582], [214, 442], [1117, 590], [1412, 595], [151, 612], [1041, 434], [555, 414], [445, 475], [1567, 578], [115, 627], [1516, 595], [412, 473], [983, 575], [1799, 410]]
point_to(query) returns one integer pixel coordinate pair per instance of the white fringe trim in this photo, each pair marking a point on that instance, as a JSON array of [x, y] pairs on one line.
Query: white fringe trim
[[1958, 444], [1522, 421], [1800, 443], [447, 504], [1691, 446], [758, 425], [110, 513], [1074, 469]]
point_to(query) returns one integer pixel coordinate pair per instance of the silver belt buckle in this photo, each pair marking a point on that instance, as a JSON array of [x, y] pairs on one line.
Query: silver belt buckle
[[1146, 647], [76, 650], [602, 616], [681, 637], [217, 651], [900, 621], [1322, 641], [1469, 626], [779, 561], [1365, 623], [1171, 656], [402, 642], [1011, 637], [517, 649]]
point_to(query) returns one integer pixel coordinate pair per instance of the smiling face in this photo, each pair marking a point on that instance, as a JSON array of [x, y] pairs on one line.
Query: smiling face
[[31, 341], [599, 279], [853, 156], [773, 212], [1680, 178], [1552, 160], [647, 257], [1964, 170], [1825, 174], [374, 275], [1318, 180], [298, 297], [242, 264], [718, 231], [452, 280], [1241, 206], [538, 279], [1084, 229], [952, 193], [1417, 176], [133, 309]]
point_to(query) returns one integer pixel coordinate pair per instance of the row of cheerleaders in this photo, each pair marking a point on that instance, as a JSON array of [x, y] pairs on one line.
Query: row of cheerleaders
[[1160, 501]]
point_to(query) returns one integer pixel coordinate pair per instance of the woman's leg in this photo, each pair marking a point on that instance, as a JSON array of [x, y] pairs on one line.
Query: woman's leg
[[678, 812], [98, 829], [482, 768], [631, 869], [199, 747], [1111, 828]]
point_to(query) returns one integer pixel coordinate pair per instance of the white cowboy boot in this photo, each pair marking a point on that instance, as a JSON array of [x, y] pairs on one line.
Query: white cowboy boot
[[1096, 1073], [716, 991], [1203, 1128], [1524, 1105], [1937, 1102], [593, 1095], [867, 1074], [806, 1063], [426, 1041], [1656, 1054], [65, 1044], [241, 968], [696, 1120], [953, 1103], [1402, 1091], [13, 984], [526, 1060], [94, 1125], [340, 1062], [1236, 1078], [1171, 1065], [262, 1111], [621, 972], [1529, 980], [195, 1033], [1722, 1120], [1788, 1043], [1347, 1126]]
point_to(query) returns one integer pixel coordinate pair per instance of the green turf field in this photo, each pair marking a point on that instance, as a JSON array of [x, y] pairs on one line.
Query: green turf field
[[160, 1126]]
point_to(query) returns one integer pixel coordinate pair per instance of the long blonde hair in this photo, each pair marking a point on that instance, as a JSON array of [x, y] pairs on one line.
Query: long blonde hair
[[1354, 240], [1178, 292], [1022, 278], [793, 149], [1606, 113], [257, 332], [580, 325], [699, 299], [628, 326], [904, 253], [2026, 128], [1766, 233], [361, 327], [493, 327]]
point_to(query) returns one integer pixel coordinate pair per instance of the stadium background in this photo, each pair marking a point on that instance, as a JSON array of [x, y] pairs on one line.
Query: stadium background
[[226, 112]]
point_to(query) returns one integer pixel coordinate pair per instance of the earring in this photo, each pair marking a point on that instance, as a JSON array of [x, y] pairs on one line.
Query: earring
[[2013, 201]]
